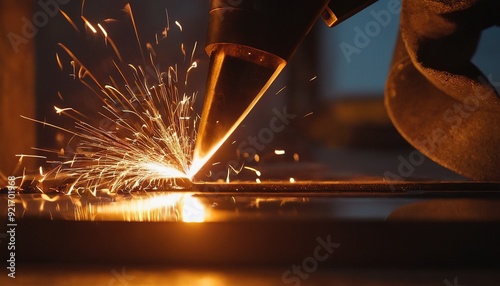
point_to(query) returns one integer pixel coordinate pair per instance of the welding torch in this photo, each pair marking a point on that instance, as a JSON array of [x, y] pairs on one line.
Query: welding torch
[[249, 43]]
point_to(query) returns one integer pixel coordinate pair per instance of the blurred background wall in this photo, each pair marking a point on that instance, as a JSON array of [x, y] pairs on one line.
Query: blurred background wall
[[17, 85]]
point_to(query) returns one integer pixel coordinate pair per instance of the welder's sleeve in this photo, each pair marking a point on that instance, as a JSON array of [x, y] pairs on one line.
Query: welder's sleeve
[[437, 99]]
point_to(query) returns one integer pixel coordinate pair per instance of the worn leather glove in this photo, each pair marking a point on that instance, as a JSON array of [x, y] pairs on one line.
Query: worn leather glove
[[438, 100]]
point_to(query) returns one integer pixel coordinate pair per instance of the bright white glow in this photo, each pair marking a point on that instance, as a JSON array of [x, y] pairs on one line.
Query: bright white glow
[[164, 207], [192, 210]]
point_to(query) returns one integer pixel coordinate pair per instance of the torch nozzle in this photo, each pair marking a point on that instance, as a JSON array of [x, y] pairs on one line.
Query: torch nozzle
[[238, 77]]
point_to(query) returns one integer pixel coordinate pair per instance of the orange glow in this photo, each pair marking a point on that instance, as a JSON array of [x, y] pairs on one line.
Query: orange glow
[[163, 171], [163, 207], [87, 23], [257, 172], [149, 150]]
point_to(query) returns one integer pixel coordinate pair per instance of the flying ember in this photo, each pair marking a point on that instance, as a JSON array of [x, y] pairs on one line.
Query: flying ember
[[151, 142]]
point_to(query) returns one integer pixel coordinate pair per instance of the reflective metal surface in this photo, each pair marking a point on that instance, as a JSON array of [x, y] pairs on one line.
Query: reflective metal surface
[[372, 224], [214, 202]]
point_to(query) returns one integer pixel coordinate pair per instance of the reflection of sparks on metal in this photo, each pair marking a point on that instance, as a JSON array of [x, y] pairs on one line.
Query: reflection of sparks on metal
[[153, 129], [192, 210], [281, 201], [157, 207]]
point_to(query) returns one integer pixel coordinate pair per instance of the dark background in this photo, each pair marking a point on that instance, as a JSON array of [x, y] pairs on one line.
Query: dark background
[[348, 135]]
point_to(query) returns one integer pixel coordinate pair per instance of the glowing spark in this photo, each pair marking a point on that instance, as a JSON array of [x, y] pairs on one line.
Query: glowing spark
[[309, 114], [41, 171], [111, 42], [256, 157], [60, 95], [257, 172], [292, 180], [48, 124], [59, 62], [192, 52], [279, 152], [229, 169], [283, 88], [69, 20], [103, 31], [163, 171], [167, 27], [148, 141], [296, 157], [83, 5], [87, 23], [61, 110], [73, 66], [193, 66], [183, 50], [128, 9], [178, 25], [76, 61], [150, 48], [151, 144], [313, 78], [257, 181], [30, 156]]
